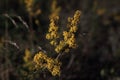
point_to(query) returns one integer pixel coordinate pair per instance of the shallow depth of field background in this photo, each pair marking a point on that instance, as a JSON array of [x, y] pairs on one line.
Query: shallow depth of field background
[[97, 56]]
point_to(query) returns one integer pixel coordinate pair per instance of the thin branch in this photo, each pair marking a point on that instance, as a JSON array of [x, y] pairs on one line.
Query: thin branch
[[59, 55], [71, 61], [23, 22], [40, 48], [12, 20], [12, 43]]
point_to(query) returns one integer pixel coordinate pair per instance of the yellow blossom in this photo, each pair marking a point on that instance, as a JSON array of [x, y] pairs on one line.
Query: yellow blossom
[[53, 42], [56, 71], [40, 59], [71, 42], [48, 36], [67, 50], [43, 61], [30, 4], [73, 29], [50, 62], [54, 9], [53, 27], [27, 56], [53, 34], [69, 36], [60, 46], [53, 66], [74, 21]]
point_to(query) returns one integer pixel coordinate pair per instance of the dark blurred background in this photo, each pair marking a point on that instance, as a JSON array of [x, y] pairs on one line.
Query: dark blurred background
[[98, 37]]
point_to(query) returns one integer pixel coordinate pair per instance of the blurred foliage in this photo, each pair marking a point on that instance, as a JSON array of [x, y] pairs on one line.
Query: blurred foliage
[[98, 38]]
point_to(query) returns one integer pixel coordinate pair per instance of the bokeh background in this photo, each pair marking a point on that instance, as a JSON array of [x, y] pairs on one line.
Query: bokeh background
[[97, 56]]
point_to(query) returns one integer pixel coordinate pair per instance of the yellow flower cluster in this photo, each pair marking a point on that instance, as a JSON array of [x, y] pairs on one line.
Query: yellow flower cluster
[[43, 61], [27, 56], [74, 21], [53, 28], [52, 32], [40, 59], [69, 36], [28, 62], [54, 9], [30, 8], [53, 66], [60, 46]]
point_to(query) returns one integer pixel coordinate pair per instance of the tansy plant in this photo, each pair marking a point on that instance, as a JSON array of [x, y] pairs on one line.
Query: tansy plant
[[61, 46], [43, 61], [32, 8], [53, 34], [68, 40]]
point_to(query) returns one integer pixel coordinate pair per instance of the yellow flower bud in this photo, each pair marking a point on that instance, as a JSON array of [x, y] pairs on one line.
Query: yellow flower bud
[[67, 50]]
